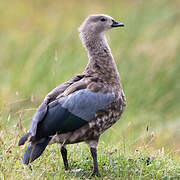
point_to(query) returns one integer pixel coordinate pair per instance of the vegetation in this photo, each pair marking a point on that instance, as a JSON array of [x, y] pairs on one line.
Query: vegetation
[[40, 48]]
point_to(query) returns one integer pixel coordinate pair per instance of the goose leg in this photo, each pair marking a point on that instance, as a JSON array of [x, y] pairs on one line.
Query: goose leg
[[93, 145], [64, 156], [94, 155]]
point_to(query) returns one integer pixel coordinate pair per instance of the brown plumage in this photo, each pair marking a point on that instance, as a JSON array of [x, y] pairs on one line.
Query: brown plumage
[[101, 75]]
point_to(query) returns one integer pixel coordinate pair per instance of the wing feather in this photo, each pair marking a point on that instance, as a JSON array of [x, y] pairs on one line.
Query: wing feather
[[70, 113], [85, 103]]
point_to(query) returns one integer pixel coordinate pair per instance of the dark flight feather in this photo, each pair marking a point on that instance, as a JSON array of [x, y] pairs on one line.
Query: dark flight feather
[[35, 149]]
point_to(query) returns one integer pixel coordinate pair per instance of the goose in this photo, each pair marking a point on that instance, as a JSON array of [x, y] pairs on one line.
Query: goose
[[81, 109]]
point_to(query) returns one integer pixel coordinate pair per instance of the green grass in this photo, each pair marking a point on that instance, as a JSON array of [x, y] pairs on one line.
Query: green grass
[[113, 163], [40, 48]]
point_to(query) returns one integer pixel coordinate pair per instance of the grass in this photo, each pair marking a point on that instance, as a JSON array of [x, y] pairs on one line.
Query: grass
[[40, 48], [113, 164]]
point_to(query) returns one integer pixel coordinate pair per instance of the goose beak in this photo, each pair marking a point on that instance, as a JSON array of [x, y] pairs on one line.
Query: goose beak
[[116, 24]]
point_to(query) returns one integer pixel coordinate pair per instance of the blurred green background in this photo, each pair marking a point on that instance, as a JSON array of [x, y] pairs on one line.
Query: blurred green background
[[40, 48]]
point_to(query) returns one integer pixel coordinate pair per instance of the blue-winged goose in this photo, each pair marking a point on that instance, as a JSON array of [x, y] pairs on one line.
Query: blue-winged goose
[[82, 108]]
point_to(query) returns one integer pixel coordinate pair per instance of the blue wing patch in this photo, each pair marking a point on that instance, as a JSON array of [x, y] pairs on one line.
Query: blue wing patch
[[85, 103]]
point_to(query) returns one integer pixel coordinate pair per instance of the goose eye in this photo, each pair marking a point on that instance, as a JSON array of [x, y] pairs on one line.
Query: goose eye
[[103, 19]]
